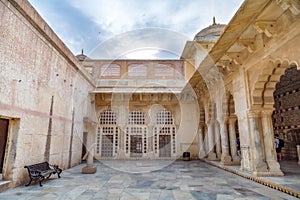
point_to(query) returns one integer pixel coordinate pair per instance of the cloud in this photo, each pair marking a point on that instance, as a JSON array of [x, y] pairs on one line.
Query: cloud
[[142, 54], [85, 24], [142, 40], [119, 16]]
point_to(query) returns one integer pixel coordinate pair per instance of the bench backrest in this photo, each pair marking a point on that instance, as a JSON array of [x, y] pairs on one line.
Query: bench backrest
[[38, 167]]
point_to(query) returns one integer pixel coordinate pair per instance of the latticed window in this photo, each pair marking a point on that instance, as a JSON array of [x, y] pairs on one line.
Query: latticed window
[[164, 135], [137, 70], [108, 135], [162, 70], [164, 117], [110, 70], [108, 117], [136, 117]]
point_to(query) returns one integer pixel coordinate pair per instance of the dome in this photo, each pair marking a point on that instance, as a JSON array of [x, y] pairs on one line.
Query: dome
[[211, 33], [81, 57]]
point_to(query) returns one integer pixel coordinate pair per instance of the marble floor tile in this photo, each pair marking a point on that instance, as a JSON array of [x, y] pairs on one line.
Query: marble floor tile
[[179, 180]]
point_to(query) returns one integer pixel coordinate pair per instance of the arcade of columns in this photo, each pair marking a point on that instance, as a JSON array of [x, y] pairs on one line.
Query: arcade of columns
[[251, 55]]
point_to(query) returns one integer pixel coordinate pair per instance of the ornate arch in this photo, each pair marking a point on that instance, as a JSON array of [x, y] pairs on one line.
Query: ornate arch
[[262, 95]]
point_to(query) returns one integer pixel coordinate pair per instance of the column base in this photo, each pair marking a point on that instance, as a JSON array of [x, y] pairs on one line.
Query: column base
[[212, 156], [219, 156], [89, 170], [260, 174], [274, 167], [226, 159], [202, 154], [236, 159], [121, 154], [260, 169]]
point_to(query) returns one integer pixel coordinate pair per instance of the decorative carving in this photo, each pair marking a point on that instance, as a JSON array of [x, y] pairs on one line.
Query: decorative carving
[[248, 44], [236, 57], [246, 159], [266, 27], [228, 66], [293, 5]]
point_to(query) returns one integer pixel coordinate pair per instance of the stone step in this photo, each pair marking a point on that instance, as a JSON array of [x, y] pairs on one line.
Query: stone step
[[4, 185]]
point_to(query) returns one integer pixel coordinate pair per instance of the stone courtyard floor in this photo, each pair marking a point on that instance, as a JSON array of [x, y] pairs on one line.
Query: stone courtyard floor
[[136, 179]]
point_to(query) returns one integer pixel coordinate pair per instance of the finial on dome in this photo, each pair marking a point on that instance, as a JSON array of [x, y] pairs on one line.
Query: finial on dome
[[214, 21]]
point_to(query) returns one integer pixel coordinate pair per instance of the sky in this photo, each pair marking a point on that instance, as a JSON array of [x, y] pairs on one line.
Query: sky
[[132, 29]]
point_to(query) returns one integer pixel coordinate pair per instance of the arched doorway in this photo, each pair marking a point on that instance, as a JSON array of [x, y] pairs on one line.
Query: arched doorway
[[286, 114]]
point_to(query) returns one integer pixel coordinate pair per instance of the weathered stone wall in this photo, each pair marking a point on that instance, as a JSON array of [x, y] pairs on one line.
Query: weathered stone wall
[[287, 111], [44, 93]]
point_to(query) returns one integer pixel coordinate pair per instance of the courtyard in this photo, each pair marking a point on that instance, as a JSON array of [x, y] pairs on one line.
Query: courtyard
[[157, 179]]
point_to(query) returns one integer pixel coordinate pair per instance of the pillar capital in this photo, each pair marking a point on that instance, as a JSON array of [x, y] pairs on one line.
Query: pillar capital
[[267, 113], [209, 121], [222, 120], [232, 119], [253, 113]]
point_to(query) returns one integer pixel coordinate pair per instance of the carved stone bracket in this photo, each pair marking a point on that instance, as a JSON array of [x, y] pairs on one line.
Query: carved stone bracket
[[249, 44], [236, 57], [267, 27], [293, 5], [228, 66]]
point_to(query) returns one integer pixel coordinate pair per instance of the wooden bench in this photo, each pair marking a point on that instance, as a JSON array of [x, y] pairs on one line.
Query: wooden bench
[[40, 171]]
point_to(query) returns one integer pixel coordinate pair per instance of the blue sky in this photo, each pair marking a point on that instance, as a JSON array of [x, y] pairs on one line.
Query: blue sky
[[153, 28]]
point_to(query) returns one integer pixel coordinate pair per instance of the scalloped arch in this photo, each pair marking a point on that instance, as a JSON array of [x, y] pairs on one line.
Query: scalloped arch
[[262, 95]]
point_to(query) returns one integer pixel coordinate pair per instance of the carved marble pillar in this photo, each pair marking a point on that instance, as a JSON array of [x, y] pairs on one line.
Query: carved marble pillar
[[268, 136], [218, 140], [211, 141], [258, 165], [201, 141], [150, 139], [122, 125], [225, 157], [232, 139]]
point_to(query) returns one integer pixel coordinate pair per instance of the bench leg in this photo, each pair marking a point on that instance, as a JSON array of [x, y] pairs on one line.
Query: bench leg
[[48, 176], [40, 181], [28, 183], [58, 171]]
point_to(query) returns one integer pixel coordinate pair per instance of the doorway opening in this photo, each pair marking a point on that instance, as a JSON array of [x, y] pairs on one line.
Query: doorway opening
[[136, 149], [84, 142], [164, 145], [286, 113], [3, 141]]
